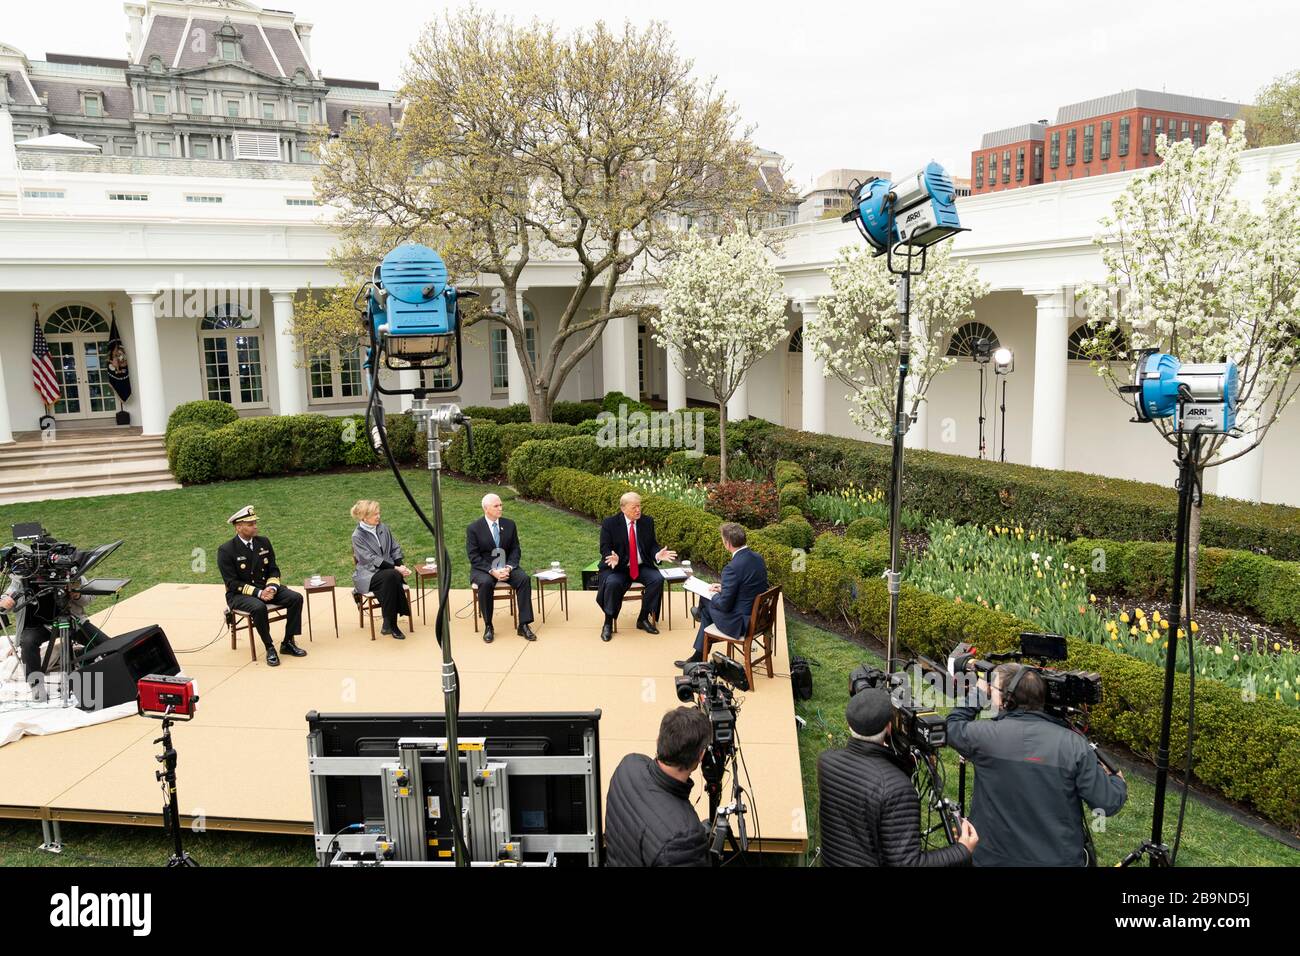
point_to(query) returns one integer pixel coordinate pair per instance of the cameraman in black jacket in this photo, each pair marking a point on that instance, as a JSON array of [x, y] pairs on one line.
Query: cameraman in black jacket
[[649, 819], [870, 813], [1033, 772]]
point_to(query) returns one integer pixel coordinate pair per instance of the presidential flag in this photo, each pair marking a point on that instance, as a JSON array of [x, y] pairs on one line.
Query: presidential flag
[[43, 378], [119, 373]]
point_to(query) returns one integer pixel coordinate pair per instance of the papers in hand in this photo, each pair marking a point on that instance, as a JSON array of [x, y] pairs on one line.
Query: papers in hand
[[673, 574], [702, 588]]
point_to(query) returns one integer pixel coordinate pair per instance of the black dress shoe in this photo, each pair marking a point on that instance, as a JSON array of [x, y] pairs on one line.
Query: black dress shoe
[[693, 659], [272, 658], [648, 626], [526, 633], [488, 635], [695, 613], [397, 633], [607, 632], [292, 649]]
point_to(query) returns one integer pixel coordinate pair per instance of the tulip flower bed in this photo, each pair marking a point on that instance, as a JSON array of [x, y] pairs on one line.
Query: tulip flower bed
[[1029, 575], [666, 484]]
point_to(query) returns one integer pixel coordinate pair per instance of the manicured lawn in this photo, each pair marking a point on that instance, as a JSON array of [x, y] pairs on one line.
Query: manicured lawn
[[173, 536]]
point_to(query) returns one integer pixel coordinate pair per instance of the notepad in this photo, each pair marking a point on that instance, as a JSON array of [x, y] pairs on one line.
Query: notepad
[[673, 574], [549, 575], [702, 588]]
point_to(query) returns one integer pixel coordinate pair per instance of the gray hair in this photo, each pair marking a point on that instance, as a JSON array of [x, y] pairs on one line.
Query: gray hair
[[874, 738], [487, 498], [627, 498]]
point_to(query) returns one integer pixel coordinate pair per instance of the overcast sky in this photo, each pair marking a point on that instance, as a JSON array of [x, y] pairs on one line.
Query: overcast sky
[[832, 84]]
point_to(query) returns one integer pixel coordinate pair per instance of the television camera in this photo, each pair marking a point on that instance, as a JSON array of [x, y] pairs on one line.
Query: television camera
[[711, 684], [1069, 694]]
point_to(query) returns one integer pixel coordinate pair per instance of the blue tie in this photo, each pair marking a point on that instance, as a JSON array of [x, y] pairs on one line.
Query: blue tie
[[496, 535]]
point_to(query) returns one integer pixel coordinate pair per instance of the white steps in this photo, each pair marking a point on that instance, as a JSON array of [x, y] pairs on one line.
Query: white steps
[[82, 465]]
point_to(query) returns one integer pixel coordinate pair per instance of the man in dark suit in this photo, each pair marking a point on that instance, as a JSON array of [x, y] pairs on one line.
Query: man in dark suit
[[629, 553], [743, 580], [492, 544], [247, 566]]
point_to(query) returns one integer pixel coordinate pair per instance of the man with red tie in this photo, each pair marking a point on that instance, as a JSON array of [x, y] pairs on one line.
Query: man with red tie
[[629, 553]]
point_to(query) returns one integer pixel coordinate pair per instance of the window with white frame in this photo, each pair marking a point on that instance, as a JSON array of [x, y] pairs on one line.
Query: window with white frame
[[499, 349], [336, 375], [268, 110], [198, 105], [231, 348], [304, 113], [92, 104], [233, 108], [199, 150], [160, 102]]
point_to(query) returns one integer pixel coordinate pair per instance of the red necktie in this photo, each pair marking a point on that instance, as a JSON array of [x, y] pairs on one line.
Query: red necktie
[[632, 561]]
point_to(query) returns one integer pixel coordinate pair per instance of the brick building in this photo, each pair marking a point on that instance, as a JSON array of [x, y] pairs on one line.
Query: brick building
[[1109, 134]]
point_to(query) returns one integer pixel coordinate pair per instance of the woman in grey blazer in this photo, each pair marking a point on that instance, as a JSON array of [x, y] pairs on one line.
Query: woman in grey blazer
[[379, 570]]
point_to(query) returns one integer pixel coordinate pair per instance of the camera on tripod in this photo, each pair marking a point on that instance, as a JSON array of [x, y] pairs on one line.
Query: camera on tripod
[[37, 557], [710, 683], [914, 727], [1067, 692]]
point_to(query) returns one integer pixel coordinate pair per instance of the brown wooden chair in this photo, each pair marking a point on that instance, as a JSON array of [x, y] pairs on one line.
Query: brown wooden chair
[[514, 606], [761, 634], [238, 620], [368, 604]]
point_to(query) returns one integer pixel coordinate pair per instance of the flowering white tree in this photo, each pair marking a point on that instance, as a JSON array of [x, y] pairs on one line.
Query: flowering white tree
[[857, 334], [1194, 271], [723, 309]]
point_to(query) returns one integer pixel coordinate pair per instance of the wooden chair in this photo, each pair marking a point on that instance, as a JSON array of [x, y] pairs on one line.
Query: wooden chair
[[368, 604], [236, 620], [761, 633], [635, 592], [514, 606]]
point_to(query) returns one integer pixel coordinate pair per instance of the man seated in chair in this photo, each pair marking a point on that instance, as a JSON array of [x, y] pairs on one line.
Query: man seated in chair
[[492, 544], [629, 554], [247, 565], [743, 580]]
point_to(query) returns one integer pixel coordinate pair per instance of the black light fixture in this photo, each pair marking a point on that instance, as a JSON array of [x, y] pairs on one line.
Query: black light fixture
[[1004, 363], [982, 352]]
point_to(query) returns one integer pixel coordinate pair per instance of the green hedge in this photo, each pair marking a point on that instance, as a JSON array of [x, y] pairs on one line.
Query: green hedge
[[1238, 579], [787, 471], [794, 531], [196, 457], [207, 413], [177, 436], [864, 528], [493, 445], [490, 413], [706, 468], [1249, 751], [1064, 503], [534, 456], [867, 559]]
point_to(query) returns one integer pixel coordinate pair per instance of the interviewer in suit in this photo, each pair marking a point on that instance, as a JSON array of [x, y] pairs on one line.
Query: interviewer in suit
[[492, 545], [743, 580], [379, 570], [629, 552]]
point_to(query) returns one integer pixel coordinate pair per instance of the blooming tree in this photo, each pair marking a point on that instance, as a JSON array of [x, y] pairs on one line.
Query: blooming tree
[[857, 333], [723, 309], [1194, 271]]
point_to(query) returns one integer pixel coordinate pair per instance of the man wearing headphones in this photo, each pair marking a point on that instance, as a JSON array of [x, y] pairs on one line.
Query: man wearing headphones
[[1033, 773]]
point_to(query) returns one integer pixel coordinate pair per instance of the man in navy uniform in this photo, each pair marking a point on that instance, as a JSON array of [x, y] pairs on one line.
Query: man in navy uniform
[[629, 553], [743, 580], [492, 545], [247, 565]]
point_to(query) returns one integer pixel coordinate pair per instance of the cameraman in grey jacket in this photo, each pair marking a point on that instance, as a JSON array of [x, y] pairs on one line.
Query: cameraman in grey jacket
[[1033, 773]]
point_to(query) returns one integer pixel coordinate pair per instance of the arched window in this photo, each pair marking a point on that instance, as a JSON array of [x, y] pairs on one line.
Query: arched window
[[963, 340], [796, 340], [232, 356], [77, 337], [1093, 342], [73, 319]]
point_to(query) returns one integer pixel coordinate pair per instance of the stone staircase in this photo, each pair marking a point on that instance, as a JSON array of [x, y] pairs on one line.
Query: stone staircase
[[83, 464]]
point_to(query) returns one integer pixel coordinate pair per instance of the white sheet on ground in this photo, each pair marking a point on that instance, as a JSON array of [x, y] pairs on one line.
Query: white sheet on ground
[[20, 715]]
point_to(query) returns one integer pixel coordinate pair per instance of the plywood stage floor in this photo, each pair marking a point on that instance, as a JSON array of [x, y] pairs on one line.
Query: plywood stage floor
[[243, 760]]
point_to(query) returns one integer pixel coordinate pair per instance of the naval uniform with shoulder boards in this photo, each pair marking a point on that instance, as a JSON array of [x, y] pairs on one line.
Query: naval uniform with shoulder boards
[[248, 568]]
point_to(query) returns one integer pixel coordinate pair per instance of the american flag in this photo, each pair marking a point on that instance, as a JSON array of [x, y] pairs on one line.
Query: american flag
[[43, 368]]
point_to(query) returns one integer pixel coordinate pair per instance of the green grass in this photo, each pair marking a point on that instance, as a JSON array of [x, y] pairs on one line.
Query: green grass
[[307, 520], [174, 535], [1210, 837]]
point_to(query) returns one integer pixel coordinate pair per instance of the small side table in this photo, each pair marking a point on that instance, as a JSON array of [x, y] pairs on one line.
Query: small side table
[[687, 596], [326, 584], [423, 572], [562, 582]]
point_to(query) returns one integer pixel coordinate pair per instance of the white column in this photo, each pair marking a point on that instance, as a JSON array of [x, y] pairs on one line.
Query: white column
[[289, 379], [676, 380], [618, 357], [738, 404], [518, 384], [6, 430], [1047, 444], [1240, 478], [147, 363], [918, 434], [813, 374]]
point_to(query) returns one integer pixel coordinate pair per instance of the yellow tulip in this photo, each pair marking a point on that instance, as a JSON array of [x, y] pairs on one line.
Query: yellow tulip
[[1277, 646], [1092, 598], [1150, 639], [1164, 624], [1195, 627], [1133, 631], [1123, 616], [1218, 648]]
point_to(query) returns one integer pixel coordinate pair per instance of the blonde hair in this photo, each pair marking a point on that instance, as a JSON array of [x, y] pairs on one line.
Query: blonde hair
[[363, 508]]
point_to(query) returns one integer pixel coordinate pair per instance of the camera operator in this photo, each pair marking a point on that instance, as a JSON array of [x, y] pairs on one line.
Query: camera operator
[[1032, 770], [649, 819], [37, 614], [870, 813]]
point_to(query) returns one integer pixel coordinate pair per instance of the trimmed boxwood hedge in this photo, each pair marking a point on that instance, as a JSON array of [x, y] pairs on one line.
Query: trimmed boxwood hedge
[[533, 457], [1238, 579], [1064, 503], [207, 413], [493, 445], [1249, 751]]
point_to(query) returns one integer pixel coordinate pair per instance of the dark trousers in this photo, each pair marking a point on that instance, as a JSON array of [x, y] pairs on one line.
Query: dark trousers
[[34, 636], [388, 588], [614, 584], [291, 601], [519, 580]]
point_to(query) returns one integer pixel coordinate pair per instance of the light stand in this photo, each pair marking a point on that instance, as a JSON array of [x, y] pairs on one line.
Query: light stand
[[982, 351], [1004, 363], [171, 808]]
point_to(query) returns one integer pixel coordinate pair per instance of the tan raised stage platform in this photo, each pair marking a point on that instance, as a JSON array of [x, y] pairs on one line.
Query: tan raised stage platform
[[243, 760]]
